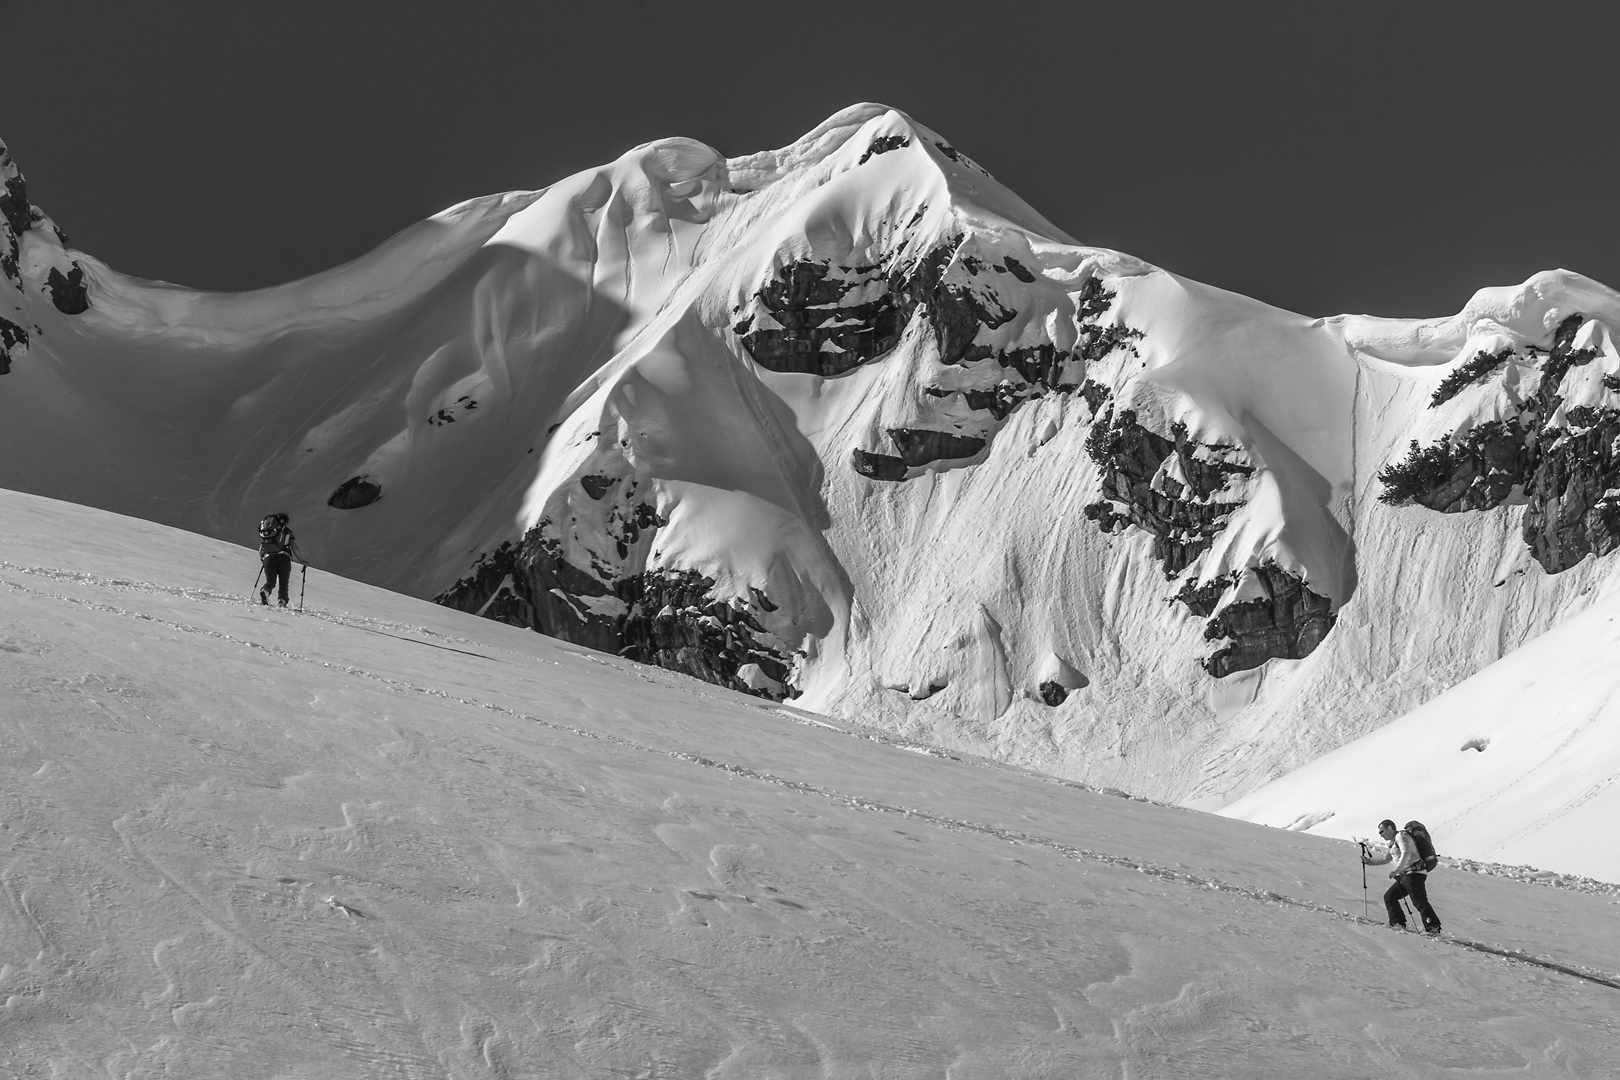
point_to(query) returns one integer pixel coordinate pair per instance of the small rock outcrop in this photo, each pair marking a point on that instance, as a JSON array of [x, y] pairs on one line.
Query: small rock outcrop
[[670, 618], [68, 290], [878, 466], [1053, 693], [674, 621], [355, 492], [1285, 620], [882, 145]]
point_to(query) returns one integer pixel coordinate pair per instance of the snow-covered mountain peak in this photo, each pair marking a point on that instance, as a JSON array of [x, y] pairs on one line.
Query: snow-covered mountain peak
[[850, 422]]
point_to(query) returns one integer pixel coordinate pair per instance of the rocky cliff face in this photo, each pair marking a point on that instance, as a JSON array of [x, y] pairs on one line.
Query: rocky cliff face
[[1557, 455]]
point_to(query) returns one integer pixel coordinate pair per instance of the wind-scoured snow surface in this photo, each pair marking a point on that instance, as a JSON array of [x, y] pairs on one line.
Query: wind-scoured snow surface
[[848, 422], [387, 839]]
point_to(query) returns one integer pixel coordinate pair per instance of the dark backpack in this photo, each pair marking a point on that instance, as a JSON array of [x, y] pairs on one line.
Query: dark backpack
[[1427, 859], [273, 537]]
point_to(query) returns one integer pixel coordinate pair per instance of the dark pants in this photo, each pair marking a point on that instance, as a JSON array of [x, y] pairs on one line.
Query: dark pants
[[277, 569], [1416, 886]]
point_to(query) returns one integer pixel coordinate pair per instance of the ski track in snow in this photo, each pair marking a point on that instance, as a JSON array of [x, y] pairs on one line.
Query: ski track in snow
[[251, 843]]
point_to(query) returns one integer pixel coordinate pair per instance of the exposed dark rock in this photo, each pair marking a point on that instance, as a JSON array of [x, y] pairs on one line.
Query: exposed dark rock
[[632, 525], [1093, 301], [816, 332], [1476, 474], [1286, 621], [1566, 473], [14, 205], [1096, 395], [1202, 600], [955, 310], [1571, 512], [446, 415], [597, 486], [13, 340], [68, 291], [355, 492], [882, 145], [825, 319], [960, 158], [1097, 342], [1560, 359], [1040, 365], [666, 617], [1054, 693], [879, 466], [999, 401], [1184, 515], [1184, 518], [1020, 271], [16, 218], [674, 622], [1467, 374], [919, 447], [535, 572]]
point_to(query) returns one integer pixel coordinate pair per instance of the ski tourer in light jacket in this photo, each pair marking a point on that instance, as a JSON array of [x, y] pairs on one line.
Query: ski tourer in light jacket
[[1401, 849]]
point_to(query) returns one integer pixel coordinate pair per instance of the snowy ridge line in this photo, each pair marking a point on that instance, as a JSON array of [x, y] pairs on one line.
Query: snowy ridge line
[[856, 802]]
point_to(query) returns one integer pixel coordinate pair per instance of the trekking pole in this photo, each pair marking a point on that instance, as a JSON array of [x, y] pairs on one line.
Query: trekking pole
[[256, 578], [1364, 856], [303, 576]]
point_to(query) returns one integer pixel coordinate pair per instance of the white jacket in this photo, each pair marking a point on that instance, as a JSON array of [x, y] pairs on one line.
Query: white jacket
[[1403, 850]]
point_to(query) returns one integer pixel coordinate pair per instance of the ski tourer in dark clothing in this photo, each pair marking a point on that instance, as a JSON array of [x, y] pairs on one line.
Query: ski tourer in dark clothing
[[1410, 879], [277, 549]]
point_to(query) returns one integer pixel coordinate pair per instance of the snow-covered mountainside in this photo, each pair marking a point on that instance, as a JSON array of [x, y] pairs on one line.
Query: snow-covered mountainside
[[850, 422], [385, 839], [1516, 765]]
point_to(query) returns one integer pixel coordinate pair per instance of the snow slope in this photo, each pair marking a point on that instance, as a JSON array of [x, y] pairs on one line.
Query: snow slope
[[850, 421], [385, 838], [1517, 764]]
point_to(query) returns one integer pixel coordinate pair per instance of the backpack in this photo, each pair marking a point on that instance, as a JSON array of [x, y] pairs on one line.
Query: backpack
[[273, 534], [1427, 859]]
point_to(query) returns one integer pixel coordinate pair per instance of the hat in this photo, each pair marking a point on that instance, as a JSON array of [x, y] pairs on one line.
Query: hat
[[1386, 821]]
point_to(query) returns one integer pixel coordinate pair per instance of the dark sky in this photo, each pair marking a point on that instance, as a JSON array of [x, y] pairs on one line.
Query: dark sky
[[1379, 157]]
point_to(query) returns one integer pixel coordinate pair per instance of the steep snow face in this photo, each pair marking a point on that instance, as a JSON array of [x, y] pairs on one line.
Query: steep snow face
[[1517, 764], [850, 422]]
